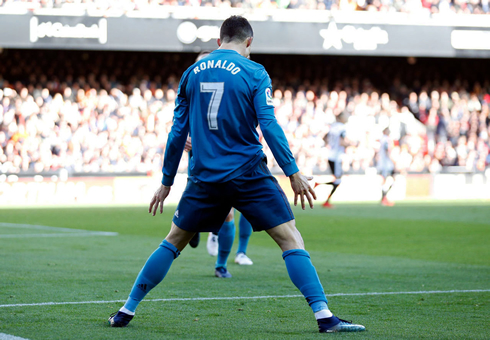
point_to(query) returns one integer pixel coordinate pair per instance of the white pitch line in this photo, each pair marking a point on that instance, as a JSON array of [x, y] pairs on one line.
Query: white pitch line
[[4, 336], [247, 297], [36, 226], [88, 233], [67, 232]]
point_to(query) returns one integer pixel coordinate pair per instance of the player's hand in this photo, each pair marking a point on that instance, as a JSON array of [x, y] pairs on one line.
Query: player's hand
[[302, 188], [188, 145], [158, 198]]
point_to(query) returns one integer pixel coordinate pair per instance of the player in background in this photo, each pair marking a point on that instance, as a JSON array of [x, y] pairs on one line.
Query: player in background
[[385, 166], [221, 100], [336, 143], [222, 241], [244, 233], [212, 243]]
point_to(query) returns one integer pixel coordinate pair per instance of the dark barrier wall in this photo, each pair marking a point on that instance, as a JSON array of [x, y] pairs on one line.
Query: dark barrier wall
[[142, 34]]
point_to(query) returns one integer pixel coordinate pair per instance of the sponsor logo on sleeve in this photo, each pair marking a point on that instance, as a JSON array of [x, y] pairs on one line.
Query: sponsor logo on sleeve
[[268, 97]]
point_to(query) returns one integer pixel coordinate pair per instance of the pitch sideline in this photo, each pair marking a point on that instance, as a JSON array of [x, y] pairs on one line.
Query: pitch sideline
[[4, 336], [66, 232], [246, 297]]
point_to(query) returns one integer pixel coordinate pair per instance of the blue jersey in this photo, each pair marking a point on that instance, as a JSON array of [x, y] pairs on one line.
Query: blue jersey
[[220, 101]]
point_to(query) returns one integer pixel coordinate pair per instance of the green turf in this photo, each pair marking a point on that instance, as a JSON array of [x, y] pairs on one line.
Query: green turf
[[356, 248]]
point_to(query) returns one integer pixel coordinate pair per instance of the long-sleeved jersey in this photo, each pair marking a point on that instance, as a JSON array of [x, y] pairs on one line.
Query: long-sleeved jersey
[[220, 101]]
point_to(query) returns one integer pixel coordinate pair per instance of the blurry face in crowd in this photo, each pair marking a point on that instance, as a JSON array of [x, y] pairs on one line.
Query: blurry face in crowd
[[159, 94], [170, 95]]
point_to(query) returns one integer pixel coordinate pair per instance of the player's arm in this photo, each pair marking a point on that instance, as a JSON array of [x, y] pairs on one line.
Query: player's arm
[[325, 138], [344, 141], [174, 149], [276, 139], [177, 137], [272, 132]]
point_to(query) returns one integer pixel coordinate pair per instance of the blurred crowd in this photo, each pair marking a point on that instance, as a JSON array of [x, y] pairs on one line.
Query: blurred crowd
[[94, 112], [408, 6], [429, 130]]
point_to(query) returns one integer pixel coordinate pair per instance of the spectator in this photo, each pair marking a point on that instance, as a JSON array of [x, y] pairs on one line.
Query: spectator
[[86, 123], [425, 7]]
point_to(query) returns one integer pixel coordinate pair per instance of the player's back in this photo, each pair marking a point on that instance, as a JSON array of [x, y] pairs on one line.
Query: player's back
[[220, 90]]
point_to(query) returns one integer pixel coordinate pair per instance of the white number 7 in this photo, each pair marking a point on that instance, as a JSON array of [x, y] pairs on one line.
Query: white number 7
[[217, 90]]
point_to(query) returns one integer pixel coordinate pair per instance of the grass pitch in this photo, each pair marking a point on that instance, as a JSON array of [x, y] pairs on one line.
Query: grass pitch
[[364, 248]]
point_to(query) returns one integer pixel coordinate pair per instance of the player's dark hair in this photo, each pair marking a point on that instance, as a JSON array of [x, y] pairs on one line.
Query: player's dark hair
[[235, 28]]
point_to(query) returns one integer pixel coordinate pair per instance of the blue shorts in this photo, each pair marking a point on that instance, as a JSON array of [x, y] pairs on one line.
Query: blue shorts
[[256, 194]]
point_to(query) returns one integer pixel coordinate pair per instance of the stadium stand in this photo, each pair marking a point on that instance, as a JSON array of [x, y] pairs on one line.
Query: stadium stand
[[422, 7], [93, 112]]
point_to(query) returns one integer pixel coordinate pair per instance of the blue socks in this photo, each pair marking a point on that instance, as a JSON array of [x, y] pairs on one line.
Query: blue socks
[[245, 230], [226, 236], [152, 273], [305, 278]]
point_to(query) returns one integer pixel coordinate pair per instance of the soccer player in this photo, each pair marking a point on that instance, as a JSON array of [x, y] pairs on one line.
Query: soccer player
[[217, 247], [385, 166], [221, 100], [244, 233], [336, 141], [222, 248]]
